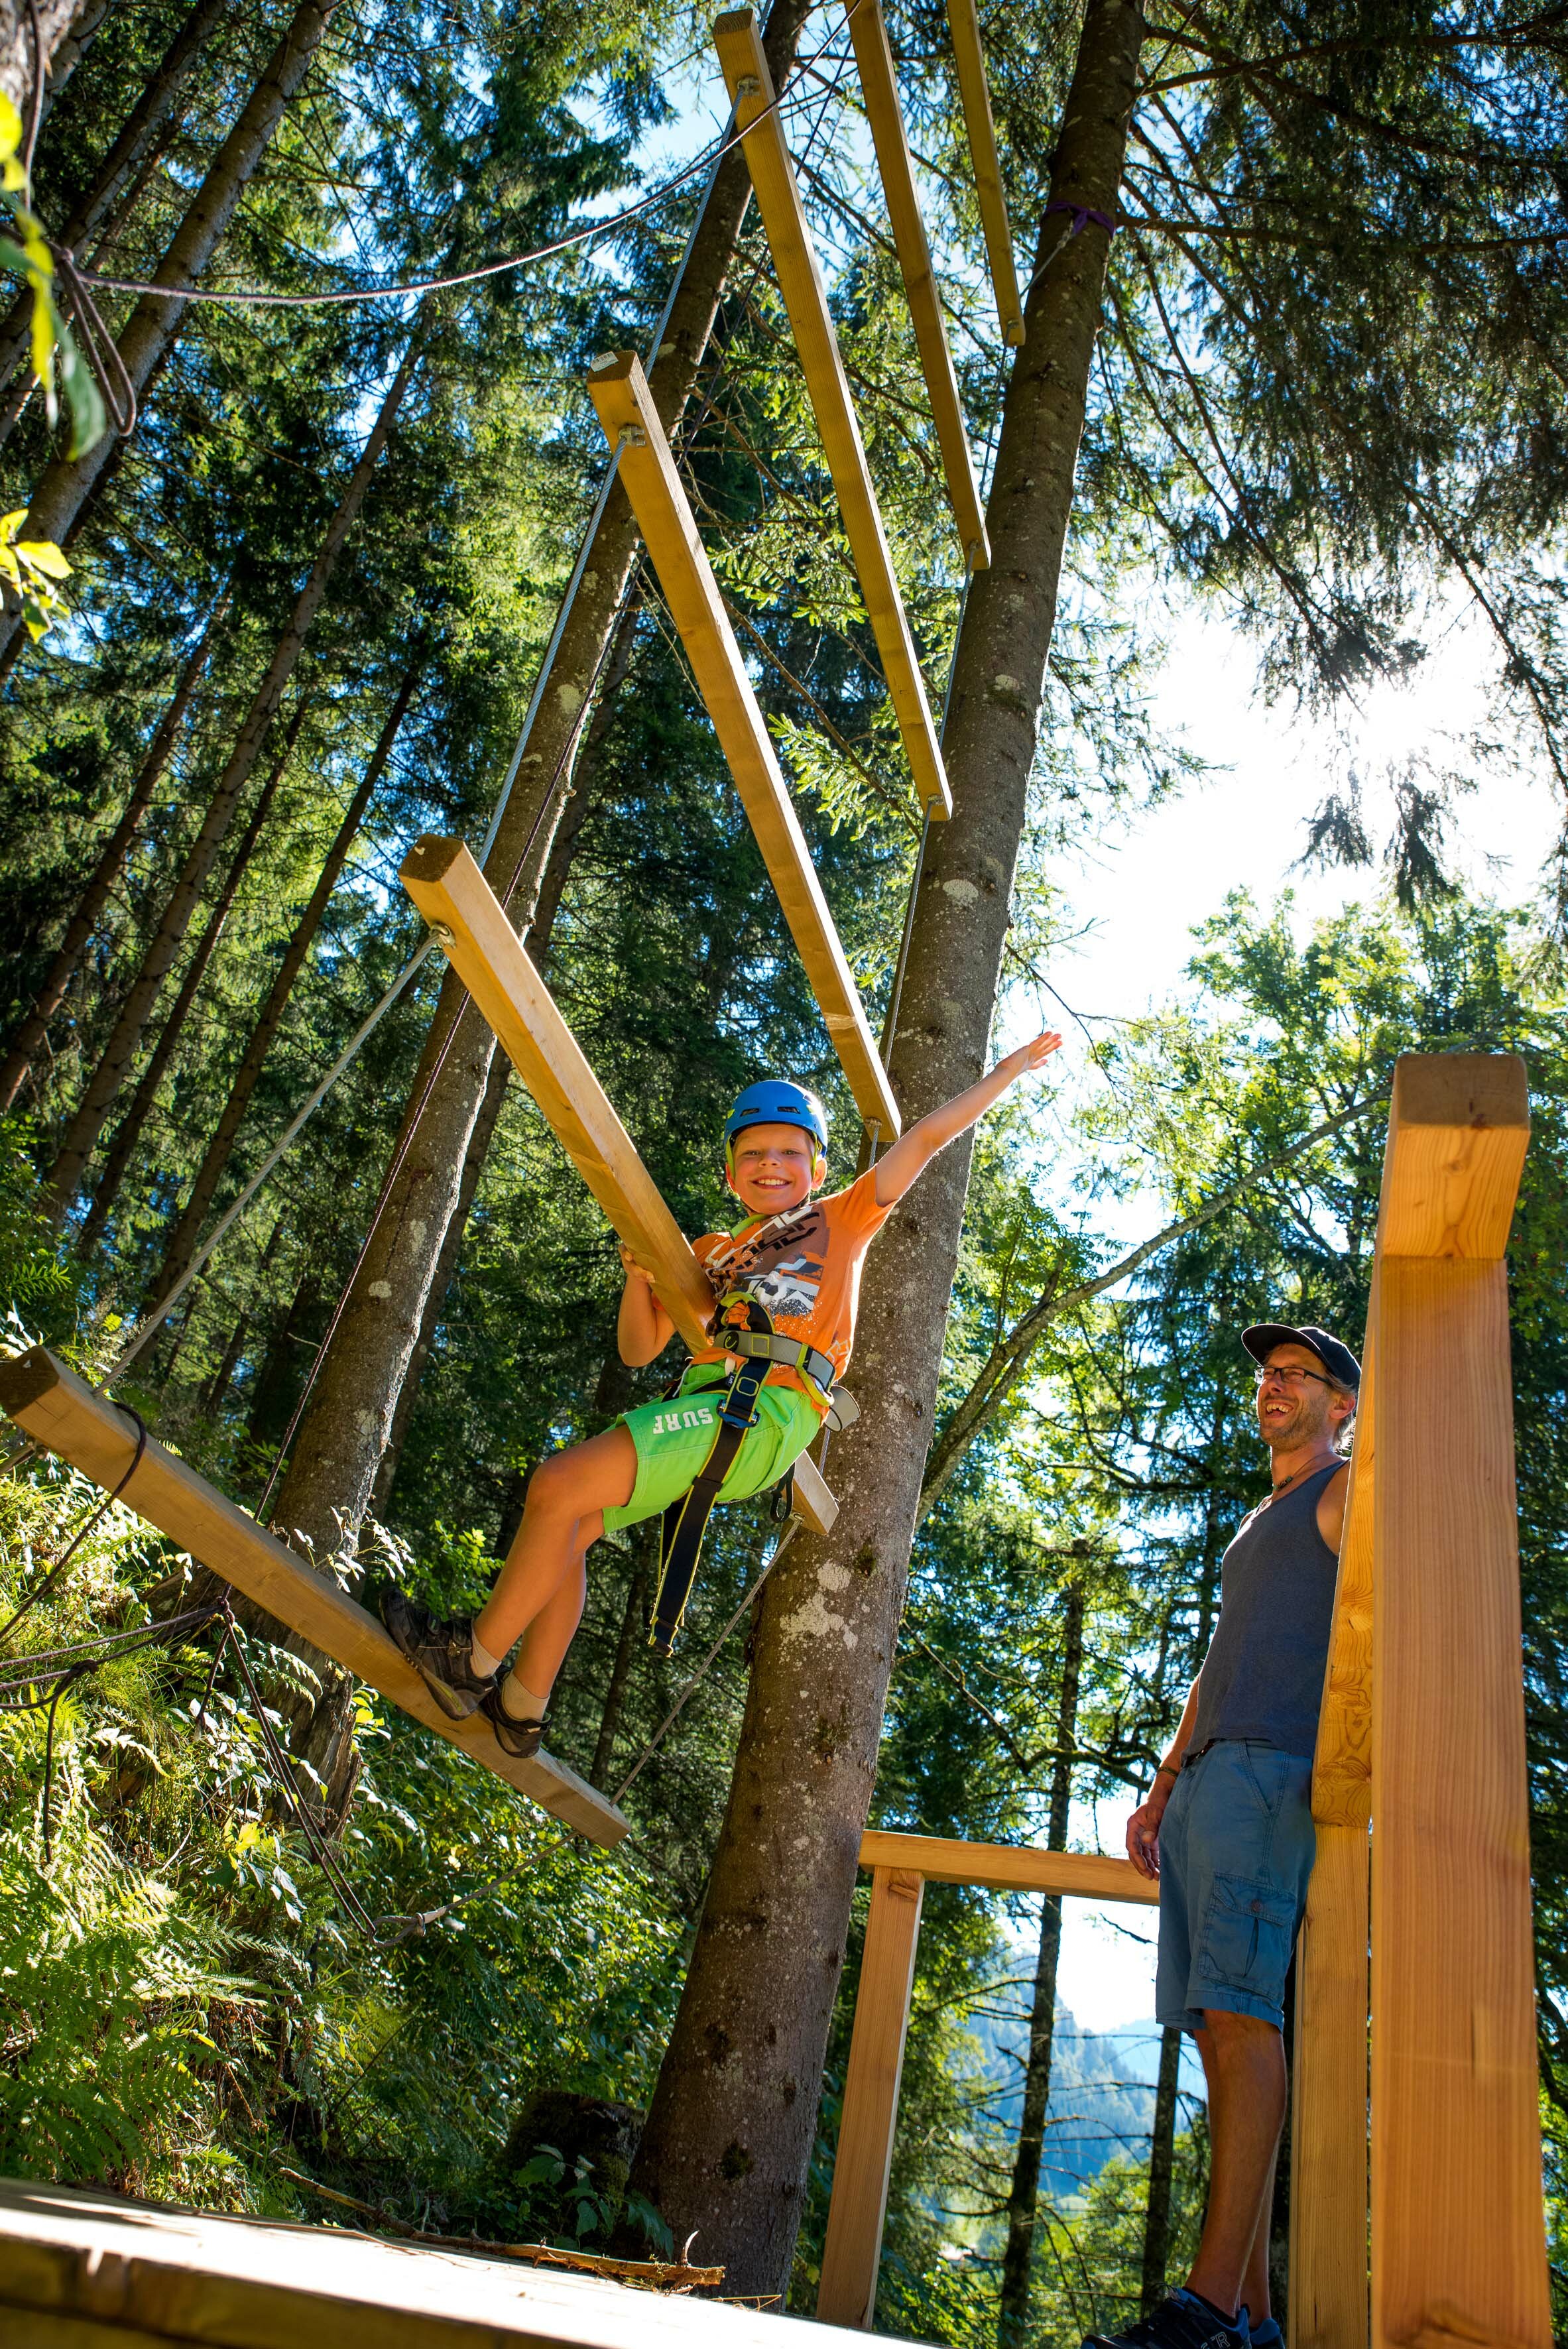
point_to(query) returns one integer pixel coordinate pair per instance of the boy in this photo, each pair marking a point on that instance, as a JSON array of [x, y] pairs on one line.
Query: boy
[[793, 1266]]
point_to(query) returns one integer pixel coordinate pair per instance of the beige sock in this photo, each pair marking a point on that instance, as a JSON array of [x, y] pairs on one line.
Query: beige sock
[[522, 1703], [480, 1658]]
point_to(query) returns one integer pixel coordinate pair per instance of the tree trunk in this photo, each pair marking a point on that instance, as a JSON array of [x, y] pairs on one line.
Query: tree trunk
[[153, 323], [107, 871], [57, 22], [187, 1232], [729, 2134], [212, 1401], [132, 148], [563, 848], [1161, 2168], [66, 1175], [639, 1591], [128, 1133], [332, 1475], [1023, 2201]]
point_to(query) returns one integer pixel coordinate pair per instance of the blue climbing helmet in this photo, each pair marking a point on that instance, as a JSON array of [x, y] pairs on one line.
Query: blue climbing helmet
[[776, 1101]]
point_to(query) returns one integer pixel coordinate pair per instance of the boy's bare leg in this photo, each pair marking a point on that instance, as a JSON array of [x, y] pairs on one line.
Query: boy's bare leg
[[551, 1631], [563, 1516], [1244, 2066]]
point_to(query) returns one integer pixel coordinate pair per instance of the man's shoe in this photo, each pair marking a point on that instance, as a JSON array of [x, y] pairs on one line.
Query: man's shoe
[[441, 1652], [1182, 2321], [1266, 2335], [518, 1738]]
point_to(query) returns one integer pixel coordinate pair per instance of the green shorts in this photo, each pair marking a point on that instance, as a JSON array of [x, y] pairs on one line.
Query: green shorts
[[674, 1440]]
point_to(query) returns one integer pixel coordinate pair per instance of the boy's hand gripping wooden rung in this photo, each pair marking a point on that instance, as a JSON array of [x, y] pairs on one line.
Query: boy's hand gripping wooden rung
[[750, 85], [59, 1411], [879, 88], [449, 890], [626, 410]]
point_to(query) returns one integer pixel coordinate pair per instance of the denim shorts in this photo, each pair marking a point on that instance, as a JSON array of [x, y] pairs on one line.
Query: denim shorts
[[1236, 1848]]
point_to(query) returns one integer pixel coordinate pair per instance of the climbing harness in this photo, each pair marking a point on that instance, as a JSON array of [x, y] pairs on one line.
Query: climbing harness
[[685, 1520]]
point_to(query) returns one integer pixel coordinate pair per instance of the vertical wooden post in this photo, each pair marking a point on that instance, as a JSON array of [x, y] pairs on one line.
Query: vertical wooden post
[[1458, 2237], [1329, 2303], [847, 2291]]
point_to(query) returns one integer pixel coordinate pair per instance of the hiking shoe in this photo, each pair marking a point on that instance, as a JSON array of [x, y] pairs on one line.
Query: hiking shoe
[[441, 1652], [1180, 2322], [518, 1738], [1266, 2335]]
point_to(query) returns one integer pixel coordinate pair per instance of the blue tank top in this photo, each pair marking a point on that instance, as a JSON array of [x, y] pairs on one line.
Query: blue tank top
[[1262, 1676]]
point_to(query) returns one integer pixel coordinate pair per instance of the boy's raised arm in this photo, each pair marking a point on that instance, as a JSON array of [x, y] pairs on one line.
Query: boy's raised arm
[[912, 1152]]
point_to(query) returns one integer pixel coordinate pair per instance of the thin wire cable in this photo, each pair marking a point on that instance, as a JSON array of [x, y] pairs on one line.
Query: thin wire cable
[[200, 1261], [593, 233], [50, 1579]]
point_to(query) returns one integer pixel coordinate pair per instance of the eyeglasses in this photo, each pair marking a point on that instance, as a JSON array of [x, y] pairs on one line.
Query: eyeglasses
[[1290, 1376]]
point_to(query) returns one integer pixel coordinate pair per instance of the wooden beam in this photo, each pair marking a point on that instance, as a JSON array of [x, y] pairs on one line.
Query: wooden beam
[[879, 86], [1458, 1132], [59, 1411], [1008, 1867], [1328, 2294], [626, 407], [1458, 2240], [851, 2252], [740, 54], [969, 57], [452, 893], [447, 885]]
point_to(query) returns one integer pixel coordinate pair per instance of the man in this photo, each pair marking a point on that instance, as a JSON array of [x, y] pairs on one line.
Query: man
[[1227, 1829]]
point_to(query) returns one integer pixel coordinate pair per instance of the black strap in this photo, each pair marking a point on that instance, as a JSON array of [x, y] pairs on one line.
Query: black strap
[[686, 1519]]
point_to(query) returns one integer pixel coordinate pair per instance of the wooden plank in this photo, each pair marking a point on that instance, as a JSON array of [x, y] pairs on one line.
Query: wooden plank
[[851, 2252], [81, 2267], [1328, 2288], [1342, 1764], [50, 1404], [630, 419], [740, 42], [969, 57], [1458, 1132], [879, 86], [1458, 2240], [447, 885], [1008, 1867]]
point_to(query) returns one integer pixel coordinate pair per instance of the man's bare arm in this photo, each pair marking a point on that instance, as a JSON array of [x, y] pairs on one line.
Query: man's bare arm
[[1143, 1826], [1331, 1509]]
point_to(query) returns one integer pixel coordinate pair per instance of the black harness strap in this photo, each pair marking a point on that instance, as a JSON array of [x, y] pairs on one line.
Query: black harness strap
[[685, 1520]]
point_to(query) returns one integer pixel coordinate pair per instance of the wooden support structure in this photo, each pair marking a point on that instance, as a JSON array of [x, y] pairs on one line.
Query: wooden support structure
[[449, 890], [1423, 1726], [900, 1867], [969, 57], [879, 86], [740, 44], [630, 419], [59, 1411], [86, 2269]]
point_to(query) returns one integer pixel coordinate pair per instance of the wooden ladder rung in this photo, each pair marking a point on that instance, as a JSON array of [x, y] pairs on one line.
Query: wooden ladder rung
[[969, 57], [449, 890], [631, 421], [740, 53], [879, 86], [59, 1411]]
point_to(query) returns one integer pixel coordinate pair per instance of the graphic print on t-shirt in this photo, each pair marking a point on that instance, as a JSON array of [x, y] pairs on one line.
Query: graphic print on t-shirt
[[790, 1290]]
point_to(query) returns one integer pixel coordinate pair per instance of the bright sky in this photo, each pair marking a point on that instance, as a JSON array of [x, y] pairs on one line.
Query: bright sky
[[1146, 889]]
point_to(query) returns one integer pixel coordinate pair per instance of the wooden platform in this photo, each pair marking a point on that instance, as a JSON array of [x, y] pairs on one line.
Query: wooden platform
[[90, 2270], [58, 1410]]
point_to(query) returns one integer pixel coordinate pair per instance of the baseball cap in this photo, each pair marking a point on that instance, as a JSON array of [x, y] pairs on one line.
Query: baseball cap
[[1338, 1360]]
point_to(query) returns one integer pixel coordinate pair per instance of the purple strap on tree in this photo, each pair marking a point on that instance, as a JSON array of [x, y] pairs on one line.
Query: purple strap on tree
[[1082, 214]]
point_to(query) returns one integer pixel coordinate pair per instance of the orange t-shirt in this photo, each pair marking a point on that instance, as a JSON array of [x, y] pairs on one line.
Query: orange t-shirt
[[806, 1274]]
